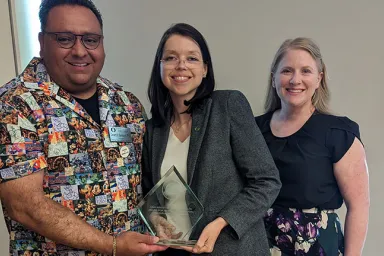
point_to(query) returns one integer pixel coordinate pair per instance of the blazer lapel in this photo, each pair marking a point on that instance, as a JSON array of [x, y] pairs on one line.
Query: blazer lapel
[[200, 119], [159, 145]]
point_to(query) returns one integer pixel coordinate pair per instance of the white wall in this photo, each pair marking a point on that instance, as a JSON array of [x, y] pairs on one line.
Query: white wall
[[243, 37], [7, 71], [26, 27], [7, 65]]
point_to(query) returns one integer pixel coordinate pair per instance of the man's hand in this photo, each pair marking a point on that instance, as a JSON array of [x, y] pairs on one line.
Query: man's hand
[[136, 244]]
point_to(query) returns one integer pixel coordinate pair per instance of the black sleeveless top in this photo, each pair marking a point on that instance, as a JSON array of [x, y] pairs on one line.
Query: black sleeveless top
[[305, 159]]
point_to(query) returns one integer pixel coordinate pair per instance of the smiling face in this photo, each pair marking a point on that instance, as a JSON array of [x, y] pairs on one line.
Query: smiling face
[[296, 78], [182, 68], [75, 69]]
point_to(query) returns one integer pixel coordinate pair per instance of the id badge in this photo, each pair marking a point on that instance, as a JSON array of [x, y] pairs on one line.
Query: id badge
[[120, 134]]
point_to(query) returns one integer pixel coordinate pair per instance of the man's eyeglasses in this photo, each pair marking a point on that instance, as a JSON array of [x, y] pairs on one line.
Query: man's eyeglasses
[[67, 40], [190, 62]]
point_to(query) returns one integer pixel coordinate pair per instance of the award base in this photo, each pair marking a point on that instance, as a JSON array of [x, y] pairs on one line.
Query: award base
[[176, 242]]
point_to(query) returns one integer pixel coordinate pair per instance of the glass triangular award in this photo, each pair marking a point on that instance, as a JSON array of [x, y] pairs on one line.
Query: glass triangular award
[[171, 210]]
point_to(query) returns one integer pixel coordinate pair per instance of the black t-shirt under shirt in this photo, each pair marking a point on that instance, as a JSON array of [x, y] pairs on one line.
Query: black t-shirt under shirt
[[305, 160], [91, 105]]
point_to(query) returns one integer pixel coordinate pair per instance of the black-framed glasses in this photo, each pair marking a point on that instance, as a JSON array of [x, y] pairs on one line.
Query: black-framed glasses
[[173, 62], [67, 40]]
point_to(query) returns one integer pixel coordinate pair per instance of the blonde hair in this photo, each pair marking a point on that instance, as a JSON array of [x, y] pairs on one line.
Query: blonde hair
[[321, 96]]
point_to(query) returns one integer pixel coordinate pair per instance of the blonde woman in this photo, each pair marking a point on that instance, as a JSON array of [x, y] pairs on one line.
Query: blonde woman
[[320, 158]]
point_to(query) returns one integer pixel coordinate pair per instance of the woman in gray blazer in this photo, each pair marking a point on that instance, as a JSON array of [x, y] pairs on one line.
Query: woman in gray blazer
[[213, 140]]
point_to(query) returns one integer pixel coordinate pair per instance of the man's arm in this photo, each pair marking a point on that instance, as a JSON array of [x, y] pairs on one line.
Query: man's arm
[[25, 202]]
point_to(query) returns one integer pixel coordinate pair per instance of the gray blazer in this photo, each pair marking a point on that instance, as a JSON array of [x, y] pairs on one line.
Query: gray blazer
[[229, 168]]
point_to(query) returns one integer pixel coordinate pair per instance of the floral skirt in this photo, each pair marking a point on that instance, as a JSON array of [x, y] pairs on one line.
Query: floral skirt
[[304, 232]]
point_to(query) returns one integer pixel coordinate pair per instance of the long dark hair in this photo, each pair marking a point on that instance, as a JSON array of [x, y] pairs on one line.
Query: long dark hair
[[158, 94]]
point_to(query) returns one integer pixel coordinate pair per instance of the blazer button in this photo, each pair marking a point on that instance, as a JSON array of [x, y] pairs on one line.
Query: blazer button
[[191, 207]]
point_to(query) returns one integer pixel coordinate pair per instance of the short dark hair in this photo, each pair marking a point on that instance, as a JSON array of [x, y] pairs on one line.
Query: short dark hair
[[158, 94], [47, 5]]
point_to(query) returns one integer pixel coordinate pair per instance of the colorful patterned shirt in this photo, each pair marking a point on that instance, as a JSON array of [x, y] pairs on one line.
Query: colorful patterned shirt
[[92, 169]]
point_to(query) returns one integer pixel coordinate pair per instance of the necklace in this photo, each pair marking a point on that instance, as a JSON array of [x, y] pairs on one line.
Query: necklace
[[177, 128]]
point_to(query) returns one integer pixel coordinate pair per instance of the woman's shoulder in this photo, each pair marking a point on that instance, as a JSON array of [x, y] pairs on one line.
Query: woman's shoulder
[[334, 122], [339, 133], [231, 99], [264, 120], [222, 94]]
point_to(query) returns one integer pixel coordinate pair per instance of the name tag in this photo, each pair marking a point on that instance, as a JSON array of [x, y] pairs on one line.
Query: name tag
[[120, 134]]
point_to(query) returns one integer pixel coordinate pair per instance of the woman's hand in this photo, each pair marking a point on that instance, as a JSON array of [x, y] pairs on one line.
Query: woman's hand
[[208, 237], [164, 229]]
